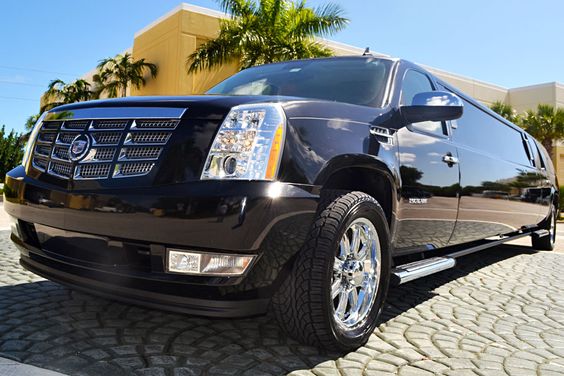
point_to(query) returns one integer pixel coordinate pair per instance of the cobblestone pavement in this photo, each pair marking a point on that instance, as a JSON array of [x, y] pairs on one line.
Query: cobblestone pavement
[[499, 312]]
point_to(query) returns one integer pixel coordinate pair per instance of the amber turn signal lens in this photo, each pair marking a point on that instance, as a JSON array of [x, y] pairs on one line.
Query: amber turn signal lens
[[275, 153]]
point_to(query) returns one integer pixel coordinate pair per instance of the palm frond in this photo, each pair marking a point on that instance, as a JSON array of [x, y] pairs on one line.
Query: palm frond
[[213, 53], [237, 8]]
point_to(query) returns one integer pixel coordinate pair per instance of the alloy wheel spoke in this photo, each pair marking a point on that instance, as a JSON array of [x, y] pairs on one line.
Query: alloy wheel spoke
[[353, 299], [342, 306], [360, 301], [365, 250], [338, 265], [355, 242], [336, 288], [344, 246]]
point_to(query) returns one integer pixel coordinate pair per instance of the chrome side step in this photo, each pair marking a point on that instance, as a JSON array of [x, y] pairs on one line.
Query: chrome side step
[[413, 270], [541, 233]]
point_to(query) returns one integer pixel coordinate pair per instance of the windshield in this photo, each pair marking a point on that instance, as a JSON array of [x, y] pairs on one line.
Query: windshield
[[350, 80]]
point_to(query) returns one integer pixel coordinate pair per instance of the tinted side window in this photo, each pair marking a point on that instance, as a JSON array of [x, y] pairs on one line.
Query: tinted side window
[[415, 82], [481, 131]]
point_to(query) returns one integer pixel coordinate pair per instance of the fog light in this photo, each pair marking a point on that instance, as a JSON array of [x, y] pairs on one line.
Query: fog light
[[214, 264]]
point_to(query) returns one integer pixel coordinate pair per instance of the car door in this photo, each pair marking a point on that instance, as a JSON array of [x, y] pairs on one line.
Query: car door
[[429, 174], [500, 184]]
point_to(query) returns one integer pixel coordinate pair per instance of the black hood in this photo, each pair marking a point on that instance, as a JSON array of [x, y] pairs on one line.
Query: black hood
[[199, 106]]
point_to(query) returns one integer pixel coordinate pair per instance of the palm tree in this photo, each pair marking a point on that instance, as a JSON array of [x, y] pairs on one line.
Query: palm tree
[[267, 31], [546, 124], [506, 111], [58, 93], [115, 74]]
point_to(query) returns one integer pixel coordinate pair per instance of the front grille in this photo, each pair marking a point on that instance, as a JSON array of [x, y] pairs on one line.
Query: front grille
[[106, 138], [61, 152], [104, 154], [66, 138], [133, 169], [60, 169], [42, 150], [109, 124], [119, 148], [141, 152], [93, 171], [147, 138], [76, 124], [46, 137], [155, 124]]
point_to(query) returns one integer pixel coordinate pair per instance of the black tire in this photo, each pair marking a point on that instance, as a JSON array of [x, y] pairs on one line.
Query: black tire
[[303, 306], [546, 243]]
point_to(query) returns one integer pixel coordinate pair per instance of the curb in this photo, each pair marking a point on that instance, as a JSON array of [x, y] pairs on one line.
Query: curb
[[10, 367]]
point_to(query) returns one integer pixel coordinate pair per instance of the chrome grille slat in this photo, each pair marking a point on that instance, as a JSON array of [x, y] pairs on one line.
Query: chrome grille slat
[[104, 154], [40, 163], [65, 138], [61, 153], [109, 124], [123, 170], [42, 150], [155, 124], [46, 137], [93, 171], [51, 125], [61, 169], [140, 152], [147, 138], [76, 124], [106, 138], [117, 148]]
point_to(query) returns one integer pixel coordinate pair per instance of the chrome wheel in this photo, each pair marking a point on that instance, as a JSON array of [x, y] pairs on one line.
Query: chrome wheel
[[356, 272]]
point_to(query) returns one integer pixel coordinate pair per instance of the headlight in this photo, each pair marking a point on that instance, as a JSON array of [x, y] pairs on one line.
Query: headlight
[[31, 140], [248, 145]]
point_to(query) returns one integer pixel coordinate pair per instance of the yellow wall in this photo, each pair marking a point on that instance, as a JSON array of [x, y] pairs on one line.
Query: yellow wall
[[168, 44]]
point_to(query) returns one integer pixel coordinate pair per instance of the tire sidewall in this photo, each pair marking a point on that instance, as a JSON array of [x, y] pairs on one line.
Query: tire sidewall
[[355, 337]]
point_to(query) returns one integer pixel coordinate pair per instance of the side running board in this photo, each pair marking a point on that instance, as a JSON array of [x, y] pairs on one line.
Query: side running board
[[414, 270]]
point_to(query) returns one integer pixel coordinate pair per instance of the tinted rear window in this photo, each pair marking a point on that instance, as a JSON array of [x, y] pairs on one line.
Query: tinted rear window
[[350, 80], [482, 131]]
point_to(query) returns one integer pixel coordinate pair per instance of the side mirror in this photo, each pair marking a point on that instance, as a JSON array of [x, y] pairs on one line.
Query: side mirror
[[432, 106]]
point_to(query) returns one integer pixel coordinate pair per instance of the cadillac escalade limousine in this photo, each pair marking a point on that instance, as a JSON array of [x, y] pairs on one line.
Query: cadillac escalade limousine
[[306, 187]]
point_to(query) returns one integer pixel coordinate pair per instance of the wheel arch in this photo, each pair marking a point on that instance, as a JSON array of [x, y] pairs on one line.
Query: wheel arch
[[365, 173]]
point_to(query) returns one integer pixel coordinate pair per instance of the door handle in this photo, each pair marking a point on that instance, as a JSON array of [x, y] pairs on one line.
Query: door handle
[[450, 160]]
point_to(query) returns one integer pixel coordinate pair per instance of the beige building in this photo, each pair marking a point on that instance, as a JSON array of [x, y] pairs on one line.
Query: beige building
[[169, 40]]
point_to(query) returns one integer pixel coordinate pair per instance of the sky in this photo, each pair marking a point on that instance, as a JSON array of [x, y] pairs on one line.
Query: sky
[[507, 43]]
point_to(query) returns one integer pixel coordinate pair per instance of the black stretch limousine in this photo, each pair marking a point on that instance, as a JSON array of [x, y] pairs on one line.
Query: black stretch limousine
[[308, 187]]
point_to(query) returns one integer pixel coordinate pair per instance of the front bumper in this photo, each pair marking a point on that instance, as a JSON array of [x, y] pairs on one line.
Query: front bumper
[[113, 241]]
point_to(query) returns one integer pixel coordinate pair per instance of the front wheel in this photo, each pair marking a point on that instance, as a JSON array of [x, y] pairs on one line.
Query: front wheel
[[546, 243], [339, 281]]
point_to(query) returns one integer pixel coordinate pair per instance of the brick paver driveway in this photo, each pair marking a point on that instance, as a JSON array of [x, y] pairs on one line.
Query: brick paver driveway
[[498, 312]]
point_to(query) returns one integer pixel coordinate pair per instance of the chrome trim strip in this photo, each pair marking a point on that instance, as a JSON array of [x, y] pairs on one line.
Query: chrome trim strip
[[118, 113]]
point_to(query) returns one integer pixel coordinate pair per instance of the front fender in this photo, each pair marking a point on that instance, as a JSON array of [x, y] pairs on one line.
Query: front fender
[[386, 167]]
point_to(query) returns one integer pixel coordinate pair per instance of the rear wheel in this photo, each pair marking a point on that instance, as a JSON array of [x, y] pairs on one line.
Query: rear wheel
[[546, 243], [340, 278]]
